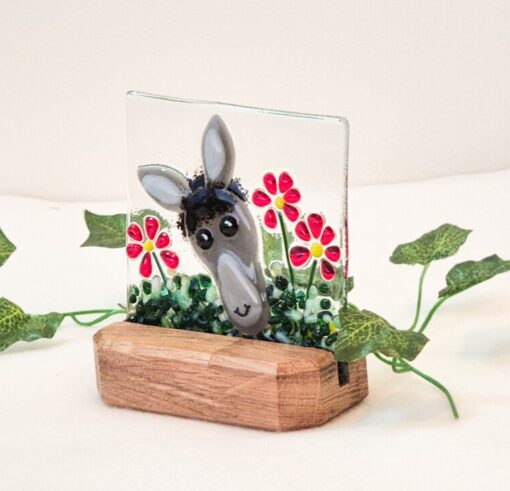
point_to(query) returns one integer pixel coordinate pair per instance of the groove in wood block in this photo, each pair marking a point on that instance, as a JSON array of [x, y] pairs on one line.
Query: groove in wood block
[[224, 379]]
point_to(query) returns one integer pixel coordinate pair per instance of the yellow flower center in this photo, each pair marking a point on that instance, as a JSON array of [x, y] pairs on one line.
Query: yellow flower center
[[148, 246], [279, 202], [316, 250]]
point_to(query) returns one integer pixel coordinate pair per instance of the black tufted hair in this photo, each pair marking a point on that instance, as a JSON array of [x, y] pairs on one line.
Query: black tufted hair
[[204, 203]]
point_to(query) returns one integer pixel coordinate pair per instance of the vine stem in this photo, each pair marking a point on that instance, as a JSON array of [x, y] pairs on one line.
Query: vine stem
[[311, 278], [401, 366], [286, 247], [420, 293], [105, 314], [431, 313]]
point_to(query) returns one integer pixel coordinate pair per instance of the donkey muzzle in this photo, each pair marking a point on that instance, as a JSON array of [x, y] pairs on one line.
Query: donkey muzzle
[[242, 291]]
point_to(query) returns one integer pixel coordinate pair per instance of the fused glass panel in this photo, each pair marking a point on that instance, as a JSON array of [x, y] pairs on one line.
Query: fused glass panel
[[237, 220]]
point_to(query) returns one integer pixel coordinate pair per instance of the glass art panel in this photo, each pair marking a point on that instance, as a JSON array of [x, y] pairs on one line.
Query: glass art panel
[[237, 220]]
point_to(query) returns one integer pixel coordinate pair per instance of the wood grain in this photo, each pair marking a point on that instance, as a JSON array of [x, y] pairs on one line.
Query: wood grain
[[218, 378]]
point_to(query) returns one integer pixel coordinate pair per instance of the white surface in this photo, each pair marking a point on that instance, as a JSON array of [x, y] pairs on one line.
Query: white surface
[[424, 83], [56, 434]]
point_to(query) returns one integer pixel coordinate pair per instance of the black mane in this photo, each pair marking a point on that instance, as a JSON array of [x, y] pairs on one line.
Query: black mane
[[205, 203]]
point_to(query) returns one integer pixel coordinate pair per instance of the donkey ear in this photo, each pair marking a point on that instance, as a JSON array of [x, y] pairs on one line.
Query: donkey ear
[[165, 185], [218, 153]]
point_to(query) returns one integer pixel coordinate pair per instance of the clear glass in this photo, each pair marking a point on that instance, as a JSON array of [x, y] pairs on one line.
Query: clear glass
[[237, 219]]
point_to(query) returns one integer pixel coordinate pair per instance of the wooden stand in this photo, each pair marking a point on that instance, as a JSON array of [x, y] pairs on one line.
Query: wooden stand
[[218, 378]]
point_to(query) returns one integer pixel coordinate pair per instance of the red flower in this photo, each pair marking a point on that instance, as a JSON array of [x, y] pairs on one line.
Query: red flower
[[280, 197], [145, 242], [319, 238]]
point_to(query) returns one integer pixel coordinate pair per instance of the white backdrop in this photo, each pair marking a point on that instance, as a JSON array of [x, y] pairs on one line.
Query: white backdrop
[[424, 84]]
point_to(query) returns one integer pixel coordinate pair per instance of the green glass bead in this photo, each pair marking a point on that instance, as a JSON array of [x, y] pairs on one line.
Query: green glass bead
[[146, 287], [275, 319], [300, 294], [205, 281], [325, 303], [281, 282], [132, 298], [324, 288]]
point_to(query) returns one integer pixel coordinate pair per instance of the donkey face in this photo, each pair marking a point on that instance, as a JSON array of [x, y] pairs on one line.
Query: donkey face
[[217, 221]]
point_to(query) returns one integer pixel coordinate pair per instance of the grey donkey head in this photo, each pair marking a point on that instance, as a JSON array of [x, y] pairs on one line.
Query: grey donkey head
[[215, 218]]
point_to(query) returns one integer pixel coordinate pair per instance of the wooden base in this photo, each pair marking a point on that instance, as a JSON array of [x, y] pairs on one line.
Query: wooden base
[[224, 379]]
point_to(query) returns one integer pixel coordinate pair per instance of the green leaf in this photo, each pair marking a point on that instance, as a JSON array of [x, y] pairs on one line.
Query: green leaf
[[442, 242], [105, 230], [469, 273], [16, 325], [6, 248], [11, 316], [364, 332], [41, 326]]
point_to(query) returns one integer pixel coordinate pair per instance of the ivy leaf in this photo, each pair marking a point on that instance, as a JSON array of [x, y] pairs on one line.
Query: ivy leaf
[[11, 316], [105, 230], [16, 325], [442, 242], [364, 332], [469, 273], [6, 248]]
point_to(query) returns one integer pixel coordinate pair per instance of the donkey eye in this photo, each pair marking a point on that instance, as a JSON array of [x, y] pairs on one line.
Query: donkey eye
[[204, 238], [229, 226]]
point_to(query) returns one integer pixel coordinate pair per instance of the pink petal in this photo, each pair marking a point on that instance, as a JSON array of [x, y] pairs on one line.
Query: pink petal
[[327, 271], [163, 240], [133, 250], [285, 182], [299, 255], [291, 212], [270, 218], [135, 232], [270, 182], [151, 226], [171, 259], [302, 231], [333, 253], [327, 235], [315, 222], [292, 196], [146, 265], [260, 198]]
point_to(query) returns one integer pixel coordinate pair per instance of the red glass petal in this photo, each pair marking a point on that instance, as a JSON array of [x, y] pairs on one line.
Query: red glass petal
[[170, 258], [291, 212], [292, 196], [163, 240], [135, 232], [270, 218], [327, 235], [270, 182], [133, 250], [315, 222], [327, 271], [285, 182], [302, 231], [333, 253], [299, 255], [146, 265], [151, 226], [260, 198]]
